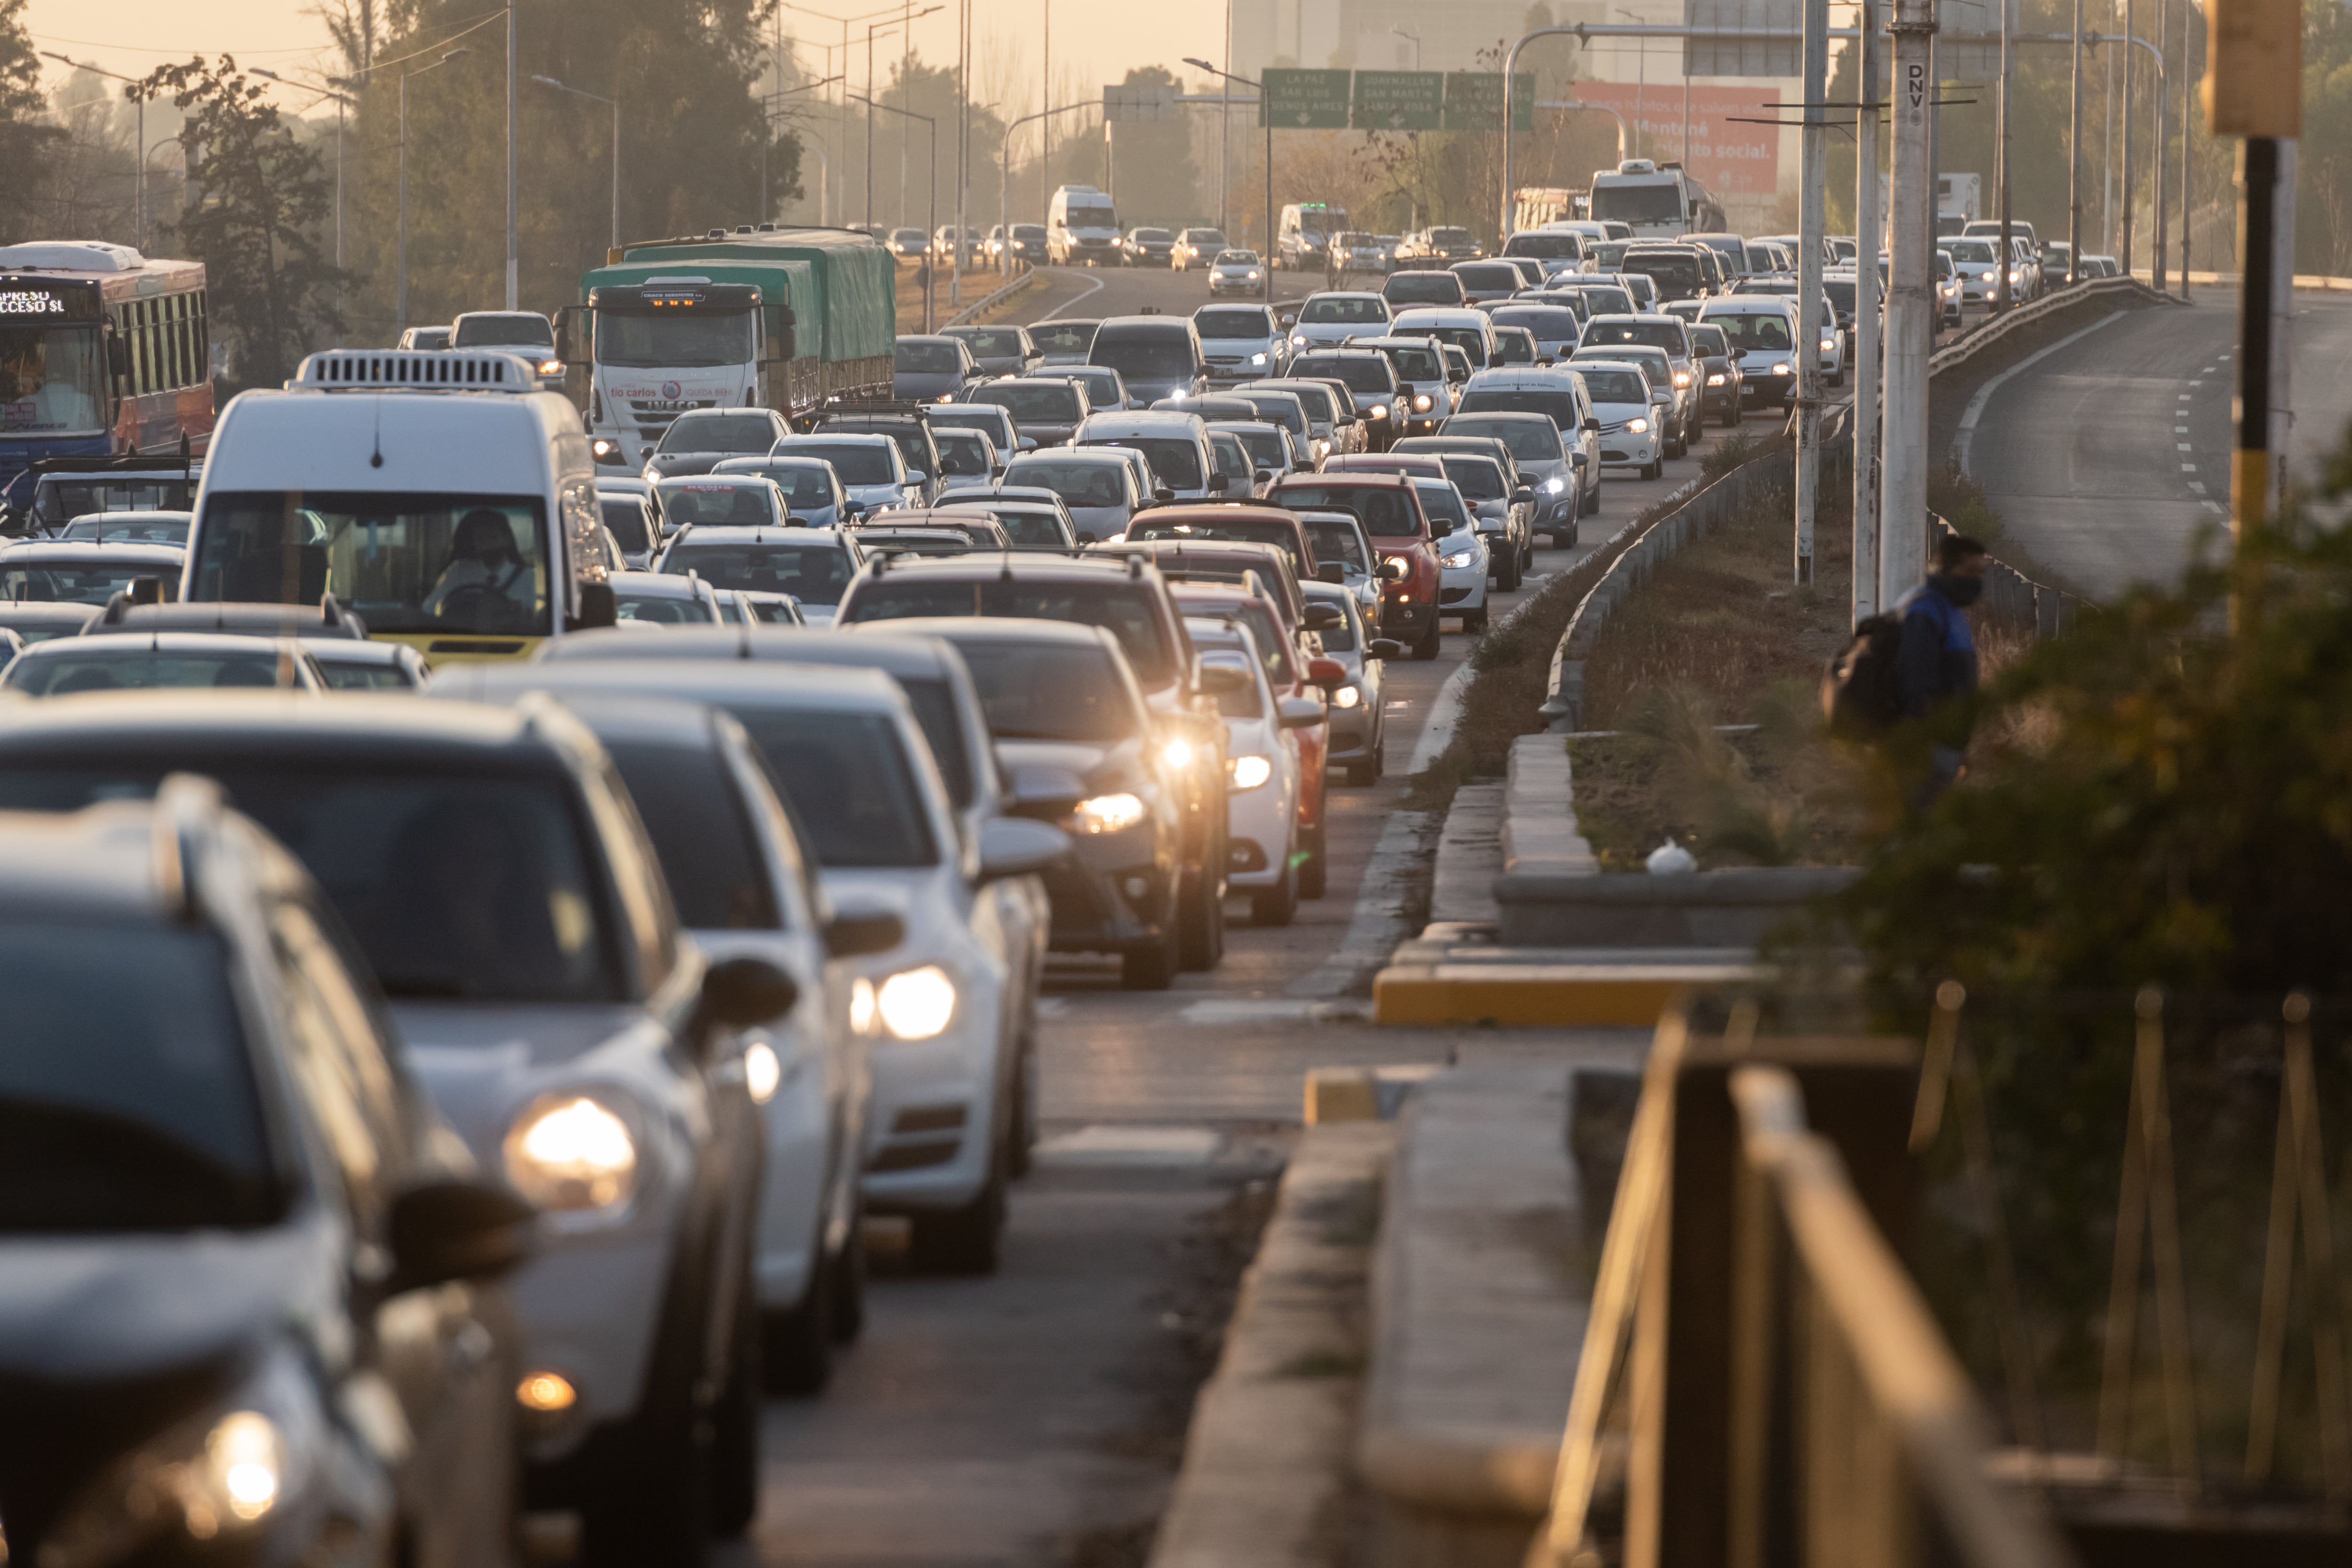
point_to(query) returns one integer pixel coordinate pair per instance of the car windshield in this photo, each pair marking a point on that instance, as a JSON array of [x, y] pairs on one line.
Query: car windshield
[[1490, 275], [488, 329], [1528, 441], [1150, 355], [1243, 701], [626, 516], [1033, 528], [1383, 510], [1125, 609], [58, 497], [861, 464], [127, 1097], [1545, 246], [1154, 235], [814, 573], [1339, 638], [1033, 402], [741, 434], [1078, 483], [1234, 322], [463, 887], [961, 452], [1545, 321], [1176, 459], [1667, 334], [76, 579], [657, 338], [1237, 259], [1608, 301], [1975, 251], [60, 669], [1414, 363], [1444, 505], [1656, 201], [806, 486], [1445, 237], [1337, 541], [709, 501], [1749, 333], [1344, 309], [1063, 338], [1317, 403], [1265, 447], [1479, 478], [417, 562], [1368, 373], [1560, 407], [343, 674], [1424, 288], [1040, 691], [641, 606], [1240, 529], [851, 783], [702, 833], [1616, 386], [1706, 339], [927, 359], [1840, 292], [130, 528]]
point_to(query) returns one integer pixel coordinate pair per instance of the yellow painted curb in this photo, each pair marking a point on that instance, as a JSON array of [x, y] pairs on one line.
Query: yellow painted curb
[[1557, 995]]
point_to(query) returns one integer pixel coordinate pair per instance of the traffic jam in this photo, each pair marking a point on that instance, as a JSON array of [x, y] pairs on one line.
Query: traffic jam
[[519, 847]]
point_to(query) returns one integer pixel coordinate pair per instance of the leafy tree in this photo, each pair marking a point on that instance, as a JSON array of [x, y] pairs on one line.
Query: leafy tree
[[28, 149], [264, 198]]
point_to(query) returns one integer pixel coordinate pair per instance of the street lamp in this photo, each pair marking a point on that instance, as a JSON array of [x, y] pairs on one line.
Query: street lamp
[[139, 180], [1004, 173], [614, 104], [930, 273], [773, 110], [872, 31], [1266, 253], [400, 254]]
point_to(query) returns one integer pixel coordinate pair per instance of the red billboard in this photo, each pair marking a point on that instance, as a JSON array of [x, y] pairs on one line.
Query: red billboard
[[1725, 156]]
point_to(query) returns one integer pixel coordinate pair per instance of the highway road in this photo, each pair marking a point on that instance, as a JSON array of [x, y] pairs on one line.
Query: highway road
[[1035, 1417], [2108, 459]]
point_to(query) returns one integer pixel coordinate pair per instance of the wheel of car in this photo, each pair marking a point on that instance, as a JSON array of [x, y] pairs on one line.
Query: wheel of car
[[1426, 647], [796, 1344], [1315, 870], [1476, 621], [1593, 501], [735, 1426], [1025, 1103], [849, 1279], [655, 1505], [1152, 968], [1202, 915], [1274, 906], [967, 1241], [1731, 416], [1676, 446], [1656, 467]]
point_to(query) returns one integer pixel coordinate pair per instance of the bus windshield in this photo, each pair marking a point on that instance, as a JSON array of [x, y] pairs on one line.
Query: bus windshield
[[51, 380], [1650, 202], [643, 341], [408, 562]]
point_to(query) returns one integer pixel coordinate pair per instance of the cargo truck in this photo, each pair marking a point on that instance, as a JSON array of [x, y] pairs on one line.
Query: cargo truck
[[785, 318]]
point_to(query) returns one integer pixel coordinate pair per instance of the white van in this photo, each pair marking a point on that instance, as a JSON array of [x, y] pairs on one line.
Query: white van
[[443, 497], [1081, 228]]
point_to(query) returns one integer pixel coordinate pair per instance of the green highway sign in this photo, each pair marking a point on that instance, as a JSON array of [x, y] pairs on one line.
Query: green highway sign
[[1399, 100], [1474, 100], [1304, 100]]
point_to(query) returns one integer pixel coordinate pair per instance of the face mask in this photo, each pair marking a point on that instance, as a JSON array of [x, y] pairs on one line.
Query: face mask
[[1961, 591]]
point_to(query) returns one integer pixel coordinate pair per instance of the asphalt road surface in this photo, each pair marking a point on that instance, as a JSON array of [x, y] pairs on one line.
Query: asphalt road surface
[[1035, 1417], [2109, 458]]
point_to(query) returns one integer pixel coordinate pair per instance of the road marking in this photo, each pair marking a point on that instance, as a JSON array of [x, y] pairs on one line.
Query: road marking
[[1131, 1146], [1222, 1010], [2180, 429], [2194, 381], [2206, 371], [2198, 487], [2214, 506], [2180, 446], [2184, 397], [1967, 431], [1377, 922], [1053, 1006], [1094, 287], [2187, 467]]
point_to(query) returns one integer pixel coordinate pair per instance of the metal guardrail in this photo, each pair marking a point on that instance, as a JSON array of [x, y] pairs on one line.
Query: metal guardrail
[[1787, 1395]]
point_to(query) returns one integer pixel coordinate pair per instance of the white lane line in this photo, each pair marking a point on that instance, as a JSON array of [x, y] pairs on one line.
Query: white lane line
[[2214, 506], [1133, 1146], [1967, 432], [1094, 287], [1378, 924], [2184, 397], [1225, 1010], [2180, 429], [2198, 487], [2187, 467], [2180, 446]]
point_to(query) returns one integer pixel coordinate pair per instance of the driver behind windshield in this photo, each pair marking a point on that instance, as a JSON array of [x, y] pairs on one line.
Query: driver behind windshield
[[485, 568]]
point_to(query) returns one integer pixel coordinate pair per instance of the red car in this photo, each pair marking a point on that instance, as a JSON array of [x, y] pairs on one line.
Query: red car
[[1390, 509]]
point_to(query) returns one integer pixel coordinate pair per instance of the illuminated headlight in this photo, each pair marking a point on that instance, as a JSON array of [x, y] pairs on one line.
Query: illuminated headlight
[[914, 1004], [1379, 410], [567, 1152], [604, 449], [1177, 753], [1554, 485], [1252, 275], [1250, 771], [1459, 559], [1682, 378], [1420, 402], [1987, 277], [1635, 427], [762, 1073], [211, 1479], [944, 398], [1297, 339], [1714, 379], [1782, 369], [1346, 697], [551, 367], [1829, 345], [1107, 814], [1257, 358]]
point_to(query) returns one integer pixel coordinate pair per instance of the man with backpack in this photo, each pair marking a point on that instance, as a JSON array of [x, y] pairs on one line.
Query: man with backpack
[[1937, 660]]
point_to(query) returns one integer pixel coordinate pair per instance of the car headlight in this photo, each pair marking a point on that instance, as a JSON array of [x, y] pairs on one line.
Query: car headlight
[[1459, 559], [1252, 275], [762, 1073], [913, 1004], [1781, 369], [212, 1478], [1297, 339], [1420, 402], [1250, 771], [551, 367], [567, 1152], [1107, 814], [1379, 410], [1257, 358], [1177, 752], [1637, 426], [1682, 378], [1714, 380], [604, 449], [1829, 345], [1346, 697], [1554, 485]]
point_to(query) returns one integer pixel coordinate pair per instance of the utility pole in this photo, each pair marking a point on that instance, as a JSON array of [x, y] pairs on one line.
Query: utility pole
[[2161, 99], [964, 145], [1811, 321], [1865, 325], [2130, 32], [2074, 153], [1045, 130], [1265, 251], [1225, 130], [2004, 263], [1910, 309], [514, 252], [2188, 126], [2253, 89]]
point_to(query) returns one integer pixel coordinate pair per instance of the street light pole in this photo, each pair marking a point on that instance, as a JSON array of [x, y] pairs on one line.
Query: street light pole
[[400, 254], [614, 105], [930, 273], [1570, 103], [1004, 172], [1911, 308], [514, 250], [1266, 255]]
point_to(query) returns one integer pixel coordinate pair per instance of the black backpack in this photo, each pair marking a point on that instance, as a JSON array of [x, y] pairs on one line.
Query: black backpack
[[1861, 695]]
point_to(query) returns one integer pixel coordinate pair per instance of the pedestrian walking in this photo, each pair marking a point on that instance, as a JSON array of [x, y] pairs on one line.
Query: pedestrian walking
[[1936, 662]]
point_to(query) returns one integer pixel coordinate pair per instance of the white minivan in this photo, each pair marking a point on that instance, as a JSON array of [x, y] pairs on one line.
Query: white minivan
[[443, 497]]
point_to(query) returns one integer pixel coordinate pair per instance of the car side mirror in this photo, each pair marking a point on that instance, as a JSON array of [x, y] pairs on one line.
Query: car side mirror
[[1216, 486], [1041, 786], [441, 1231], [1300, 712], [1522, 496], [862, 932], [1027, 443], [1161, 492], [1326, 672], [1396, 569], [917, 477], [1325, 618], [1331, 571], [1385, 647], [598, 605], [1019, 846], [1578, 458], [1593, 426], [739, 993]]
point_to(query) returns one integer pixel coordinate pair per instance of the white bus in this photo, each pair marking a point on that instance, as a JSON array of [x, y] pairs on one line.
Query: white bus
[[1658, 201], [1081, 228]]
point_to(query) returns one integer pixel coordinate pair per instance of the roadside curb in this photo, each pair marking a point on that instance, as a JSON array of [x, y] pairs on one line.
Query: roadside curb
[[1594, 988]]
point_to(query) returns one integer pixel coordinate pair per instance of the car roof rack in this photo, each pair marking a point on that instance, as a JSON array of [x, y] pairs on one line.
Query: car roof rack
[[441, 370]]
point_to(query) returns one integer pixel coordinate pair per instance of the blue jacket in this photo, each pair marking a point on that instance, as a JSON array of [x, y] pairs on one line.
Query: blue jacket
[[1937, 660]]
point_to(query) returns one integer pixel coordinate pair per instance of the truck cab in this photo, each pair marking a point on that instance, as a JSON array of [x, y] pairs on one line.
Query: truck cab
[[671, 344]]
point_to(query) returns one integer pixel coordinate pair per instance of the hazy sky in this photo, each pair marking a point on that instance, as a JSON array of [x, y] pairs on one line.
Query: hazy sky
[[1101, 41]]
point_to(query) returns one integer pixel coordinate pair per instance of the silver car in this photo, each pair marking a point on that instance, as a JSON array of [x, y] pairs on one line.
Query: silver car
[[1098, 487], [1334, 316], [871, 469], [813, 491], [1240, 342]]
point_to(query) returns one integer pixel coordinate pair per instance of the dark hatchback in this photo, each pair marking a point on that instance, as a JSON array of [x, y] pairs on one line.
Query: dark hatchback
[[245, 1309]]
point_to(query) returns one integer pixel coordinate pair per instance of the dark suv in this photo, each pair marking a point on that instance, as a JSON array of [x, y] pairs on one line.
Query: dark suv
[[233, 1236]]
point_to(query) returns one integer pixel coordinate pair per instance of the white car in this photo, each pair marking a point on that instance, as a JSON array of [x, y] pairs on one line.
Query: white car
[[1762, 332], [1419, 365], [1240, 342], [1334, 316], [871, 469], [1176, 446], [1100, 487], [1236, 272], [525, 334], [1262, 763], [814, 565], [1630, 433], [1464, 563]]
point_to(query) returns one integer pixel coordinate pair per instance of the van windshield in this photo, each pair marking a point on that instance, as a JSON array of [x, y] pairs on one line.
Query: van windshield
[[1656, 201], [1125, 609], [406, 561], [1757, 331], [491, 329], [650, 341], [1175, 460], [856, 465], [741, 435], [1145, 356], [1345, 311]]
